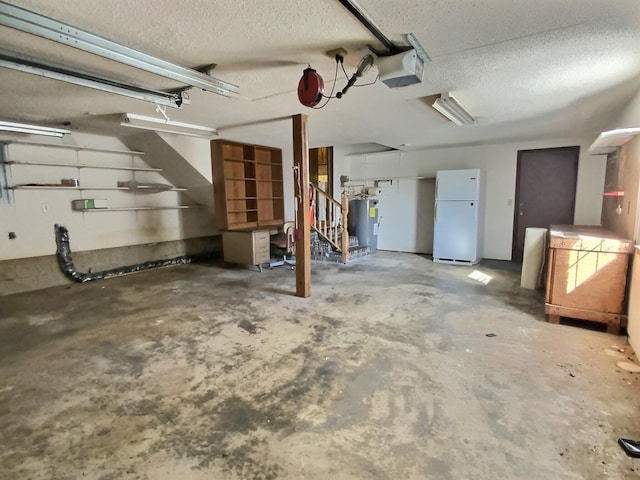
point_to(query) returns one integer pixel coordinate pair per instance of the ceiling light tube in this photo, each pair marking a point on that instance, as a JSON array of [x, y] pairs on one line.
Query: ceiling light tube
[[143, 122], [453, 110], [32, 129], [51, 29], [55, 71]]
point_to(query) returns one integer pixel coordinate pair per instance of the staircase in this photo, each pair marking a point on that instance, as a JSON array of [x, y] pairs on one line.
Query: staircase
[[330, 241], [323, 251]]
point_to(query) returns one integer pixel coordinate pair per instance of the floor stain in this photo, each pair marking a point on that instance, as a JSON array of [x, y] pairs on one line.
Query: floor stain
[[200, 371]]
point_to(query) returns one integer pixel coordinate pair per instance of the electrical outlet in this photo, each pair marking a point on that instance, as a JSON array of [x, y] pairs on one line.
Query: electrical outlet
[[45, 207]]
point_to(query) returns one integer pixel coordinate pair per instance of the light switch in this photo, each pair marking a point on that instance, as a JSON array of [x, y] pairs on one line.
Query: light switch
[[509, 202]]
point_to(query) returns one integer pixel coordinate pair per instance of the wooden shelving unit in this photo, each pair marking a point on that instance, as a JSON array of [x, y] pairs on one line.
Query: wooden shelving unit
[[248, 185]]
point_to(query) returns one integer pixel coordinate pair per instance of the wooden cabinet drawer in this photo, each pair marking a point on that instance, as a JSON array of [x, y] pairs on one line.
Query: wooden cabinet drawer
[[261, 236], [249, 247], [262, 257]]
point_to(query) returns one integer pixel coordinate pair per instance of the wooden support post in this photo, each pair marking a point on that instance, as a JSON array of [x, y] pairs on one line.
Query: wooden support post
[[301, 185], [345, 234]]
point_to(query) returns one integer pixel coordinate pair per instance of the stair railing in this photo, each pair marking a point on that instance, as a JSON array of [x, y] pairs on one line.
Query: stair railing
[[329, 219]]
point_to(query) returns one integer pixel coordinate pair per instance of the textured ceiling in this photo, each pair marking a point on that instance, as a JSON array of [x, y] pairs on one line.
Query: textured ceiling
[[525, 69]]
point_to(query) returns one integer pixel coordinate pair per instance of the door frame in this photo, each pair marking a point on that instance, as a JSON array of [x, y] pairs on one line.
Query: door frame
[[328, 152], [516, 202]]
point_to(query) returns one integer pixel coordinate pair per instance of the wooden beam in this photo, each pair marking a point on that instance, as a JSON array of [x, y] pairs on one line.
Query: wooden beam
[[301, 187]]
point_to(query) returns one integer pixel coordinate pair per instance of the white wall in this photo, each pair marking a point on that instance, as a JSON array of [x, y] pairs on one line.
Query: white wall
[[498, 163], [33, 226], [196, 151]]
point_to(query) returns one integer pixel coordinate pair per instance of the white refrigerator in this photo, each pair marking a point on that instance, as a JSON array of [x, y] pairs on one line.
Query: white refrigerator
[[457, 217]]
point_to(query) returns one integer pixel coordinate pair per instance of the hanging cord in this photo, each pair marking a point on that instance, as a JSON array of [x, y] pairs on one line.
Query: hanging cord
[[162, 111], [296, 174], [339, 60], [370, 83]]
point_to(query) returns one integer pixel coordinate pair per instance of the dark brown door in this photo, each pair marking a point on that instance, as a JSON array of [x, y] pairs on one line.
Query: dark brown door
[[321, 168], [545, 191]]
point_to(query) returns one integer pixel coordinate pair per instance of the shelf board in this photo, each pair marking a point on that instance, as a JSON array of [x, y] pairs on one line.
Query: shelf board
[[271, 164], [608, 142], [127, 209], [271, 198], [238, 226], [62, 187], [243, 211], [76, 147], [238, 160], [270, 180], [242, 198], [83, 165], [614, 193]]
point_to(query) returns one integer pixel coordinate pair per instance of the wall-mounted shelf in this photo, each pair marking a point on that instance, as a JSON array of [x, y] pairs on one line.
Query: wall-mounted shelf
[[83, 165], [608, 142], [62, 187], [127, 209], [138, 188], [77, 148]]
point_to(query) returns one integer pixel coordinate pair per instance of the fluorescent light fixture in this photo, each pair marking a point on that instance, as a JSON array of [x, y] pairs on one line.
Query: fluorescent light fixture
[[608, 141], [56, 71], [51, 29], [453, 110], [420, 51], [32, 129], [143, 122]]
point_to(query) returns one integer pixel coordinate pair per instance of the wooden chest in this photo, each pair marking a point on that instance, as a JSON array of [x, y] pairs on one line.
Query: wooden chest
[[587, 275]]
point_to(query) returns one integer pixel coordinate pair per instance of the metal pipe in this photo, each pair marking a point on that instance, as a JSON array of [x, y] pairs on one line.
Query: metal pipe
[[52, 29], [363, 18]]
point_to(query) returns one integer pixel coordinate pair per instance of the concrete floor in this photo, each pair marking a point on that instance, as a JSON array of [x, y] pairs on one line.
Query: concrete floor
[[206, 372]]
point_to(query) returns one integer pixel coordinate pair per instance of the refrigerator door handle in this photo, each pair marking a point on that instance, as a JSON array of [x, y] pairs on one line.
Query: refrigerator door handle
[[435, 212], [437, 183]]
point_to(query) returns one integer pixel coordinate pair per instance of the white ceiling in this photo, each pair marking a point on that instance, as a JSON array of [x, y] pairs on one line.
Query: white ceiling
[[525, 69]]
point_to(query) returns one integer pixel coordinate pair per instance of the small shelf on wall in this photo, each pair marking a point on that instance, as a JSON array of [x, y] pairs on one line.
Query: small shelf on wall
[[608, 142], [131, 209], [77, 148], [83, 165], [63, 187]]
